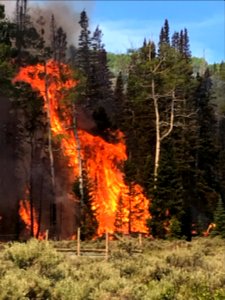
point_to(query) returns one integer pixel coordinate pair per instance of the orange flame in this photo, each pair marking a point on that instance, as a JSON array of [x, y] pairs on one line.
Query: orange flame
[[103, 159], [24, 212]]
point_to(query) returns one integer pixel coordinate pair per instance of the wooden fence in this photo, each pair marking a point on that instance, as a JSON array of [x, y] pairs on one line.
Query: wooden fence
[[96, 252]]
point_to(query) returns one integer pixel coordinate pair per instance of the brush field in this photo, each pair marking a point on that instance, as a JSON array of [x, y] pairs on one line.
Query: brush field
[[164, 270]]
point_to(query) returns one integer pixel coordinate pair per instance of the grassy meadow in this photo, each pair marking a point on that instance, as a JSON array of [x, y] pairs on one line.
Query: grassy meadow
[[164, 270]]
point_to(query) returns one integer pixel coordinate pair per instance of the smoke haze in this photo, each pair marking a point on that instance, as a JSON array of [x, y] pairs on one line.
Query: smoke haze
[[66, 13]]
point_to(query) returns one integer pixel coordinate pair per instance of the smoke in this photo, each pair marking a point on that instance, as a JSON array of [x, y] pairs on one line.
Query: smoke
[[9, 7], [65, 16], [66, 13]]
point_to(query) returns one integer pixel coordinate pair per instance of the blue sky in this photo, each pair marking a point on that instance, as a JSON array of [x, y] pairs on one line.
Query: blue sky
[[126, 23]]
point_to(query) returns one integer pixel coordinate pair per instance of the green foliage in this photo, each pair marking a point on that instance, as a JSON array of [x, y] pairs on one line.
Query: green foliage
[[6, 68], [119, 63], [219, 219], [88, 221], [175, 228], [199, 65]]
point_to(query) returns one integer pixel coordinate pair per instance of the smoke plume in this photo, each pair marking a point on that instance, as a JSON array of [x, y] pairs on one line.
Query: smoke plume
[[66, 13]]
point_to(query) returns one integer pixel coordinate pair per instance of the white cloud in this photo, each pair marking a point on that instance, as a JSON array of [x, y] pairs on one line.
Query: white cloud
[[118, 36], [124, 34]]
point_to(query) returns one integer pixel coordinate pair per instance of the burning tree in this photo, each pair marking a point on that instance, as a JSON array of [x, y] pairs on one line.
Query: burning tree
[[103, 159], [94, 161], [30, 130]]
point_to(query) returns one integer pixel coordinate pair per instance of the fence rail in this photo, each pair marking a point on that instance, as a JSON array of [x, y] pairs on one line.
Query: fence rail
[[80, 251]]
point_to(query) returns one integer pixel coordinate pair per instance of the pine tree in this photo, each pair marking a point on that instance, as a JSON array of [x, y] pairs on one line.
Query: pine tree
[[53, 37], [6, 67], [83, 53], [138, 123], [58, 42], [219, 219], [72, 53], [120, 225], [207, 151], [175, 40], [21, 20], [167, 200], [187, 52], [164, 39], [31, 132], [88, 221], [119, 99], [166, 32], [173, 115], [181, 42], [61, 45], [96, 40]]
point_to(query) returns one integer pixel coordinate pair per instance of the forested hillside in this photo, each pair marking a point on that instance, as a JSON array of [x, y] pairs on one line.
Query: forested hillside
[[122, 143]]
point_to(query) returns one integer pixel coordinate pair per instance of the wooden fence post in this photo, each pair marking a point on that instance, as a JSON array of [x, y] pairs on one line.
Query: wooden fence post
[[140, 239], [106, 246], [78, 241], [46, 235]]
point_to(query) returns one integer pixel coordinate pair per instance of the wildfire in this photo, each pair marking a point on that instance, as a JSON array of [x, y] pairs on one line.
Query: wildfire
[[112, 198], [24, 212]]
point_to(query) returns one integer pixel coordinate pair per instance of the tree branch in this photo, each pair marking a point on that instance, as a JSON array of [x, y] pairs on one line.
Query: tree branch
[[171, 119]]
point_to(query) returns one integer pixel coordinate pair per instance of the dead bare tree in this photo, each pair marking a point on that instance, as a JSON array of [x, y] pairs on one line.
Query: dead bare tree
[[79, 157], [164, 124], [53, 217], [161, 133]]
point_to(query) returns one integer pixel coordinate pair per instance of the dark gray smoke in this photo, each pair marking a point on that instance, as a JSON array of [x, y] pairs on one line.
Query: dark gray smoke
[[66, 13]]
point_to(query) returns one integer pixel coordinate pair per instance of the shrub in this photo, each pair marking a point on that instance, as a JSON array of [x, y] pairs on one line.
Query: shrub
[[165, 270]]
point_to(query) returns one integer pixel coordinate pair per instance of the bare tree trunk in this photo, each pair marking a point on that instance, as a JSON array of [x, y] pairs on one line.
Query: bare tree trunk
[[40, 208], [157, 128], [160, 136], [53, 217], [130, 209], [21, 9], [80, 167], [31, 189]]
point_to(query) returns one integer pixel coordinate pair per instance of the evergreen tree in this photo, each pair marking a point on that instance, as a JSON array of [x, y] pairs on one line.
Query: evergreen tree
[[187, 52], [167, 200], [138, 123], [164, 39], [61, 45], [72, 53], [175, 40], [53, 37], [83, 52], [119, 99], [88, 221], [58, 42], [219, 219], [120, 225], [96, 40], [21, 21], [207, 151], [30, 132], [169, 70], [6, 67], [181, 42]]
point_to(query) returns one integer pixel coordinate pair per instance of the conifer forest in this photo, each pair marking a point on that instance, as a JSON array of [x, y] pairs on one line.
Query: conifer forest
[[119, 143]]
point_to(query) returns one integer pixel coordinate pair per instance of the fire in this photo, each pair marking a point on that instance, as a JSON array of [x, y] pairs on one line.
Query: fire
[[25, 215], [103, 160], [24, 212], [209, 229]]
